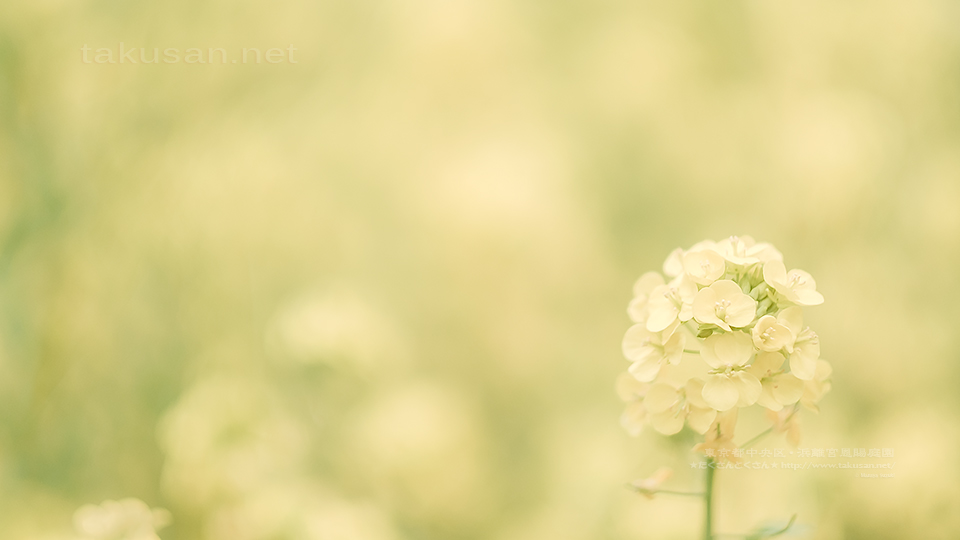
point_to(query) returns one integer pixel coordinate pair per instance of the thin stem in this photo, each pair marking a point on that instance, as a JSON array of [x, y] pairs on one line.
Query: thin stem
[[786, 528], [759, 436], [708, 501], [769, 430], [684, 493], [664, 491], [691, 352], [763, 533]]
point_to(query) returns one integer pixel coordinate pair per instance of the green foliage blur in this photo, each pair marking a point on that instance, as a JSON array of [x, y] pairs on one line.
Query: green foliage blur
[[379, 293]]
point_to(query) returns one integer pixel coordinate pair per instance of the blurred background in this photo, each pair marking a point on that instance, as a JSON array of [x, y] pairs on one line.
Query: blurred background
[[379, 294]]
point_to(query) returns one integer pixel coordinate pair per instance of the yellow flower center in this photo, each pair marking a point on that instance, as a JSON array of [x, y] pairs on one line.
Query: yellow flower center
[[721, 308], [739, 249], [808, 336], [768, 335], [673, 295]]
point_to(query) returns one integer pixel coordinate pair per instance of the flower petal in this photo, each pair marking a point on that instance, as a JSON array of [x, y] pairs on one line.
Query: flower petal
[[638, 310], [708, 352], [767, 398], [694, 390], [662, 312], [673, 266], [727, 423], [770, 335], [808, 346], [730, 349], [764, 252], [787, 389], [804, 280], [765, 364], [704, 310], [644, 371], [667, 332], [802, 367], [638, 343], [654, 481], [647, 283], [824, 370], [660, 397], [629, 388], [748, 387], [726, 289], [720, 392], [792, 318], [742, 311], [703, 267], [699, 419], [686, 288], [775, 273], [634, 418], [807, 297], [673, 348], [668, 422]]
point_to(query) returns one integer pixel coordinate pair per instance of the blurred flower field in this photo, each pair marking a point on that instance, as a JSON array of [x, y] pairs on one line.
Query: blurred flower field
[[378, 293]]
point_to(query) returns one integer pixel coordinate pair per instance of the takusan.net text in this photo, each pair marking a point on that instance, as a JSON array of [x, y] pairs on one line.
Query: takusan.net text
[[192, 55]]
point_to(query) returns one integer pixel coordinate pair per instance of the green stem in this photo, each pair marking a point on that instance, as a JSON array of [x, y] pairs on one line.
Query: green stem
[[664, 491], [685, 493], [708, 501], [759, 436], [762, 533], [691, 352], [769, 430], [786, 528]]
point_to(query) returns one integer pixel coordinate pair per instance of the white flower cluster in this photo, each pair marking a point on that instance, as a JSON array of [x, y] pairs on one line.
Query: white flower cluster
[[126, 519], [726, 331]]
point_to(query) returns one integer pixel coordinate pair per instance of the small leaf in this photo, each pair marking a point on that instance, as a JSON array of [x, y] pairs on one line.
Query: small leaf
[[707, 330], [771, 531]]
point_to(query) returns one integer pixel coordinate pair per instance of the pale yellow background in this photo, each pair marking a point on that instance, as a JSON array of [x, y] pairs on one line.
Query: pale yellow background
[[379, 294]]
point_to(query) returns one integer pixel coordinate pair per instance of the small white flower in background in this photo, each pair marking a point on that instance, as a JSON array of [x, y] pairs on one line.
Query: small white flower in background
[[632, 392], [673, 266], [786, 421], [718, 440], [814, 389], [126, 519], [634, 418], [737, 313], [649, 351], [649, 486], [641, 295]]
